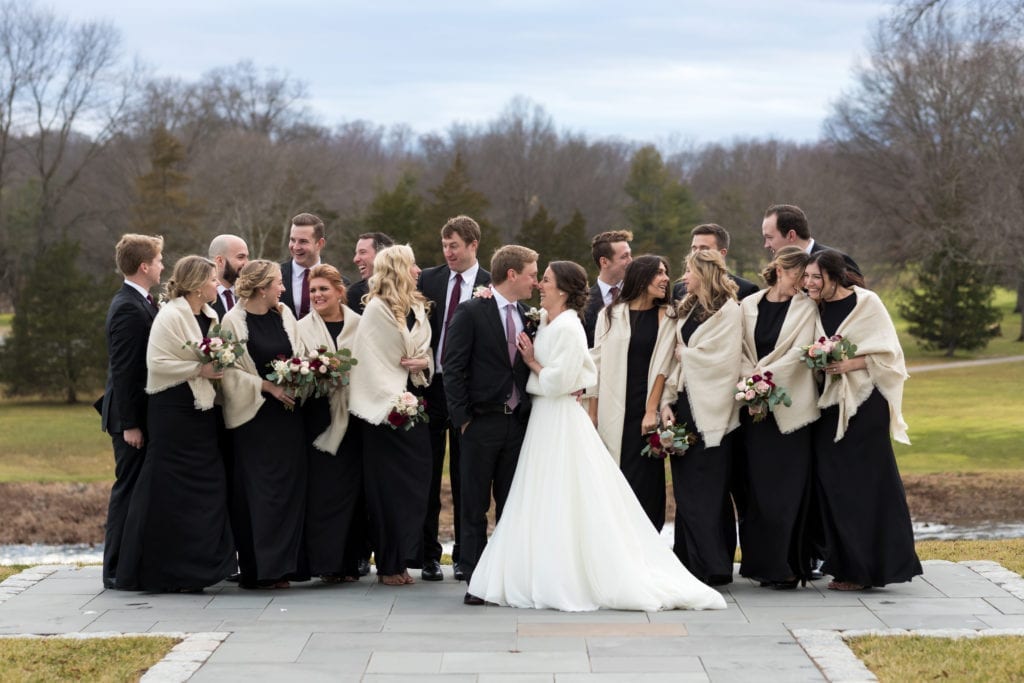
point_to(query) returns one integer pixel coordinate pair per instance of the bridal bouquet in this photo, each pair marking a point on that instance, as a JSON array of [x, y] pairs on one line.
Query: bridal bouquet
[[218, 347], [761, 395], [330, 369], [671, 440], [295, 374], [407, 410], [825, 351]]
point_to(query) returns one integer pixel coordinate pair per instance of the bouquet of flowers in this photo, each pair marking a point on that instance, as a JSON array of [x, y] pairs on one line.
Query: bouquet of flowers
[[407, 410], [218, 347], [825, 351], [330, 369], [295, 374], [761, 395], [671, 440]]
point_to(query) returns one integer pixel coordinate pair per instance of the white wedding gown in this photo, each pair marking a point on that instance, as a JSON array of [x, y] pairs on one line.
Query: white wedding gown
[[573, 536]]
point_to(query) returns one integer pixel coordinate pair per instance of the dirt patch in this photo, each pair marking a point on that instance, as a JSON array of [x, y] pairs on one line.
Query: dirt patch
[[74, 513]]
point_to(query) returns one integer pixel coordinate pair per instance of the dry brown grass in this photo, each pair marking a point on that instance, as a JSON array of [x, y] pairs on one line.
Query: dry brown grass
[[917, 658]]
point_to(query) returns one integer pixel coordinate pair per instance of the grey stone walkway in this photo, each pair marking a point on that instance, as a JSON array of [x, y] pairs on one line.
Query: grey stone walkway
[[370, 632]]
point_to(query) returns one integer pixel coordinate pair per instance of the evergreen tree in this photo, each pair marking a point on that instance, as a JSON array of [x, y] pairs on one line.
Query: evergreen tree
[[453, 197], [661, 210], [164, 207], [540, 233], [573, 244], [57, 343], [952, 307], [398, 213]]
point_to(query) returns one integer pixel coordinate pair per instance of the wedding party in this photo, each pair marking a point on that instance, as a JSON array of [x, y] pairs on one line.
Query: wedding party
[[274, 424]]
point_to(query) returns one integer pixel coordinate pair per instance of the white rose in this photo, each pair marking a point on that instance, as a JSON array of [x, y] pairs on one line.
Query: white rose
[[323, 369], [216, 343], [304, 370], [408, 399], [227, 358], [314, 355]]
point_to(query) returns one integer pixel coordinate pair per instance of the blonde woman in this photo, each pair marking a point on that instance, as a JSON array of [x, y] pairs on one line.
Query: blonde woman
[[777, 321], [268, 436], [709, 334], [333, 448], [393, 349], [177, 537]]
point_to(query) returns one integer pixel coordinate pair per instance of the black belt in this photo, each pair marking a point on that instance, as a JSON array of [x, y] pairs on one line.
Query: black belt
[[492, 409]]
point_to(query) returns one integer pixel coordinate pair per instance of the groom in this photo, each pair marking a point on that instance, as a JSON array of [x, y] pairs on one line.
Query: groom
[[485, 382]]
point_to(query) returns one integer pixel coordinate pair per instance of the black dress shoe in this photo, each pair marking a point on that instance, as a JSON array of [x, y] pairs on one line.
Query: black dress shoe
[[471, 599], [718, 580], [431, 571], [234, 578], [460, 575], [364, 566]]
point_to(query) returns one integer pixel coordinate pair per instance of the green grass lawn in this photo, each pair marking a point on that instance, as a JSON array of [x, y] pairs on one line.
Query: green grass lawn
[[106, 660], [53, 442]]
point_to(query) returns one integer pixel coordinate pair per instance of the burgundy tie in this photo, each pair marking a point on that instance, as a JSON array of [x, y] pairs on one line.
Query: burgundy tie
[[304, 307], [228, 300], [149, 298], [614, 292], [510, 336], [453, 301]]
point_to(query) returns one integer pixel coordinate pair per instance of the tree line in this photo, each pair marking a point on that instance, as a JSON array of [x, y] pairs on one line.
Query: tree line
[[919, 172]]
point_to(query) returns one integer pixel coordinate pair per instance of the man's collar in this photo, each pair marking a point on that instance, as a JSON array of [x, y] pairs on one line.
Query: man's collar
[[501, 301], [468, 275], [138, 288]]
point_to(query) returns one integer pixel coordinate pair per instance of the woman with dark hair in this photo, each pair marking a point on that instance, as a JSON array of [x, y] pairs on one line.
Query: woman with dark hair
[[633, 345], [177, 536], [777, 321], [393, 350], [568, 493], [334, 448], [270, 480], [869, 540], [702, 383]]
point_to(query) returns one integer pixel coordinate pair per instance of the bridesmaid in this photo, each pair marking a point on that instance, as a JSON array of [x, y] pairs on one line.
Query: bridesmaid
[[270, 470], [869, 540], [393, 349], [334, 449], [633, 344], [708, 348], [776, 322], [177, 537]]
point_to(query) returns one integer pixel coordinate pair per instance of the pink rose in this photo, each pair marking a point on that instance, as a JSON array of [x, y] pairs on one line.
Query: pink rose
[[750, 395], [408, 399], [762, 387]]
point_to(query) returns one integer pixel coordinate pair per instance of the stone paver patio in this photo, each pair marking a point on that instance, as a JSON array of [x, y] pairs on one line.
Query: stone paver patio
[[374, 633]]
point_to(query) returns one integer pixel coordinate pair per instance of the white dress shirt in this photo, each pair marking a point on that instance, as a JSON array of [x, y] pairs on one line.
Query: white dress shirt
[[468, 278]]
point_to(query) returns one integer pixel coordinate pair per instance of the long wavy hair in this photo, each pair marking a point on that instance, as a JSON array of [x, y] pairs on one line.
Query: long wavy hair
[[190, 274], [392, 281], [716, 287], [640, 273]]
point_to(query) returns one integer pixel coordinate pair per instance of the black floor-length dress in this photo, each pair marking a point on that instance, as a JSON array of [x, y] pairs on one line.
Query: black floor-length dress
[[869, 539], [778, 478], [335, 483], [270, 472], [646, 475], [177, 535], [705, 525]]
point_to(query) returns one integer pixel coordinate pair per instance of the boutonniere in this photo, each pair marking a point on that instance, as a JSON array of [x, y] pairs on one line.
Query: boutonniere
[[532, 315], [161, 299], [482, 291]]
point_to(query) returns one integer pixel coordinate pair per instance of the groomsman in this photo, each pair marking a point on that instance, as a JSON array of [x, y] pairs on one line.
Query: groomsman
[[230, 254], [123, 405], [786, 225], [713, 236], [305, 242], [485, 382], [367, 246], [612, 254], [446, 287]]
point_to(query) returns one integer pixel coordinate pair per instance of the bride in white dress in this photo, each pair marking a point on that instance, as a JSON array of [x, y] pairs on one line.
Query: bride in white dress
[[573, 536]]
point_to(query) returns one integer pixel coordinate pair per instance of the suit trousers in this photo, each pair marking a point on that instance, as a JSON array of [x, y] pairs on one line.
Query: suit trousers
[[127, 466], [442, 433], [490, 451]]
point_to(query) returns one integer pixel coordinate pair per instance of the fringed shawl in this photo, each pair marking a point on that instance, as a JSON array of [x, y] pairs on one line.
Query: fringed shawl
[[314, 334], [168, 362]]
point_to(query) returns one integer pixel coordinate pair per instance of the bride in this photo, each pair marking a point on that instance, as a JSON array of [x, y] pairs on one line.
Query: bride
[[573, 536]]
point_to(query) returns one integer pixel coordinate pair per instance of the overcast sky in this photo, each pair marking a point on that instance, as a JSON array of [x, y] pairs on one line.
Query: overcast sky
[[699, 70]]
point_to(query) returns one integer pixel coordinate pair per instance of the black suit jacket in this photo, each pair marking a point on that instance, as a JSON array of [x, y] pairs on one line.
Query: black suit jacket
[[123, 404], [355, 295], [850, 263], [476, 369], [594, 306], [746, 288], [433, 283]]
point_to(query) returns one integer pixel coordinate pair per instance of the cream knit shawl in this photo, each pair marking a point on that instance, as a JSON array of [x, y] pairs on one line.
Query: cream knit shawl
[[313, 333], [380, 344], [243, 382], [788, 371], [870, 328], [611, 348], [168, 363], [708, 369]]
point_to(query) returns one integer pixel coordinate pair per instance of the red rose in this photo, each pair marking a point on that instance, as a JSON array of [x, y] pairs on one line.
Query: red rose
[[396, 420], [655, 440], [768, 374]]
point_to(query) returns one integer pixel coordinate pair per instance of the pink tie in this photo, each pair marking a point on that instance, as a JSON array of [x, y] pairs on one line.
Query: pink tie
[[510, 336]]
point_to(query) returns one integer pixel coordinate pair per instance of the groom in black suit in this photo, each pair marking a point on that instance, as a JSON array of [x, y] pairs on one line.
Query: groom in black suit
[[485, 382], [446, 287], [123, 405]]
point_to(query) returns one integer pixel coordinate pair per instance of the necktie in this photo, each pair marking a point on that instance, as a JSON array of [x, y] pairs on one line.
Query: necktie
[[453, 301], [149, 298], [613, 292], [229, 300], [510, 336], [304, 307]]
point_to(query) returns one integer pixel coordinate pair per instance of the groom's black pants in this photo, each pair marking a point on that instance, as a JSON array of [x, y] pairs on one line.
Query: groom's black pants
[[490, 450]]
